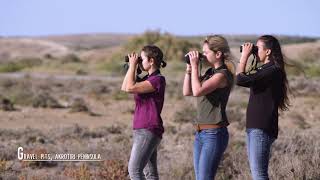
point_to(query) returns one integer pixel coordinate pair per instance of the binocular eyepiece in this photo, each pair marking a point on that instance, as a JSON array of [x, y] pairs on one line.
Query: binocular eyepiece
[[126, 59], [187, 58], [253, 51]]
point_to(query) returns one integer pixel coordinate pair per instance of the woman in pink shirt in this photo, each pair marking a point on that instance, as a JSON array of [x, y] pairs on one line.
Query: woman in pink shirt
[[147, 122]]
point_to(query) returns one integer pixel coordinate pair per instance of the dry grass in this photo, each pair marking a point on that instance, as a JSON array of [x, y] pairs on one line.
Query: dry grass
[[40, 127]]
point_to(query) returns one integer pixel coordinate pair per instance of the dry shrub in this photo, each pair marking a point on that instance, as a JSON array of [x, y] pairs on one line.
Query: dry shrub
[[44, 100], [185, 114], [113, 170], [8, 152], [6, 104], [237, 116], [80, 173], [3, 165], [120, 95], [175, 159], [7, 83], [234, 164], [79, 105], [36, 176], [173, 89], [171, 129], [70, 58], [21, 93], [304, 86], [93, 134], [115, 129], [299, 120], [9, 176], [296, 155]]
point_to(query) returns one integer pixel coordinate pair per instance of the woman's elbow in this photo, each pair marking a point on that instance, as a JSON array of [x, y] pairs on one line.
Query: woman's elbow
[[130, 90], [123, 89], [239, 83], [243, 84]]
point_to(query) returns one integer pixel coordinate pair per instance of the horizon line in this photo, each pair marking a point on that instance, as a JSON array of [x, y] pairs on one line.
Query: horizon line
[[161, 32]]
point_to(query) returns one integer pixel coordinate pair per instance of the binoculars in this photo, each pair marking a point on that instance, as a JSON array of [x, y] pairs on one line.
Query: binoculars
[[126, 59], [187, 59], [253, 51]]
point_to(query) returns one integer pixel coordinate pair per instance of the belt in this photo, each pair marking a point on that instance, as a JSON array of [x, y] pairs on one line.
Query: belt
[[200, 127]]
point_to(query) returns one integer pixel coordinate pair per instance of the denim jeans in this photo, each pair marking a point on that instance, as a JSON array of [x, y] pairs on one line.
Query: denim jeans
[[209, 146], [143, 158], [258, 149]]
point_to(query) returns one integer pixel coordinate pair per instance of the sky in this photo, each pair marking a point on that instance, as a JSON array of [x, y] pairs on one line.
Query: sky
[[202, 17]]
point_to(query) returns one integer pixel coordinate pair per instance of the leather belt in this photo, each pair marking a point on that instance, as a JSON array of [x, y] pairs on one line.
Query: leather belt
[[200, 127]]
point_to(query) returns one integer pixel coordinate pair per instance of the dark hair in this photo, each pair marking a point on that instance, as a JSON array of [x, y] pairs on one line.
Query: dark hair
[[154, 52], [277, 57]]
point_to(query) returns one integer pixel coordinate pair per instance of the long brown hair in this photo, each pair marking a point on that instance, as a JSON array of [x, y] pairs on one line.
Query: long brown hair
[[219, 43], [277, 57]]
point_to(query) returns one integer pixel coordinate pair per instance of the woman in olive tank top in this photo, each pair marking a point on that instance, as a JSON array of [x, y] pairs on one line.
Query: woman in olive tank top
[[212, 91]]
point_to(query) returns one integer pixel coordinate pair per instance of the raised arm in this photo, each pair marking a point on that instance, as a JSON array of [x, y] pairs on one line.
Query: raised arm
[[264, 72], [124, 83], [216, 81], [187, 91], [131, 85]]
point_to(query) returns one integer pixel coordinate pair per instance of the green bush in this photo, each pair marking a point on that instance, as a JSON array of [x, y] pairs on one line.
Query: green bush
[[120, 95], [173, 48], [20, 64], [313, 70], [70, 58], [115, 66]]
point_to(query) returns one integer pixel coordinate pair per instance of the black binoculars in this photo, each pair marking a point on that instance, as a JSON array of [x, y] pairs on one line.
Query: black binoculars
[[187, 58], [126, 65], [253, 51], [126, 59]]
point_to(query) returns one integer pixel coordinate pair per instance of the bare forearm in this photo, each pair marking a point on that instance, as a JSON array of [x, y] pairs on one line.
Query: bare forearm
[[124, 83], [242, 65], [131, 77], [196, 85], [187, 85]]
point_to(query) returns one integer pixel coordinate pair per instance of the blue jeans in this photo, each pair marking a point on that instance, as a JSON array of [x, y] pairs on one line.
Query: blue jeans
[[209, 146], [258, 149], [143, 158]]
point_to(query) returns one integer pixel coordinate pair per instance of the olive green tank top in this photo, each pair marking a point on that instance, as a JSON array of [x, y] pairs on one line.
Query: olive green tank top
[[211, 108]]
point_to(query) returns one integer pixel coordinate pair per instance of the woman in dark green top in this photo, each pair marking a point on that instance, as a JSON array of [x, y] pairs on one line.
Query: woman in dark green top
[[212, 92]]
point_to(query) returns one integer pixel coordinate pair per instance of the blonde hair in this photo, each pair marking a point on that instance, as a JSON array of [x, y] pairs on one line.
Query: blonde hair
[[218, 43]]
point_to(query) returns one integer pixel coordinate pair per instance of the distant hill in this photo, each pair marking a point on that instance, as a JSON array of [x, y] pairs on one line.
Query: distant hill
[[58, 46], [89, 41], [236, 40], [98, 46], [15, 48]]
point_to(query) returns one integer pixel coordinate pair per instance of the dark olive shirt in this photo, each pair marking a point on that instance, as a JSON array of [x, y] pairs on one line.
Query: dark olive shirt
[[265, 94], [211, 108]]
